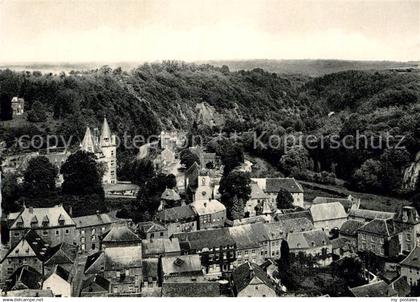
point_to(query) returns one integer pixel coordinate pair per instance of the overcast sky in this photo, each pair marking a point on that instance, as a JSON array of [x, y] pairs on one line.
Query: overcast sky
[[148, 30]]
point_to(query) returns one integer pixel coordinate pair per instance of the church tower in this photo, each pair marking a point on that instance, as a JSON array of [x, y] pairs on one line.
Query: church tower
[[108, 146]]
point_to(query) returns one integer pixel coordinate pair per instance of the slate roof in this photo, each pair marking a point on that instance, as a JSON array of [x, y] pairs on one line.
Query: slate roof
[[150, 268], [380, 227], [246, 237], [327, 211], [191, 289], [297, 214], [151, 227], [245, 273], [120, 233], [413, 259], [92, 220], [350, 227], [308, 239], [209, 239], [97, 281], [41, 249], [122, 257], [401, 286], [205, 207], [176, 214], [181, 265], [91, 259], [273, 185], [27, 275], [160, 246], [62, 253], [294, 225], [377, 289], [54, 214], [61, 272], [370, 214], [250, 220]]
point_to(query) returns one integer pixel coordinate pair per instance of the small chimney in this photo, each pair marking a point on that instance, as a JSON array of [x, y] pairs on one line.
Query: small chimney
[[71, 211], [205, 204], [31, 210], [97, 212]]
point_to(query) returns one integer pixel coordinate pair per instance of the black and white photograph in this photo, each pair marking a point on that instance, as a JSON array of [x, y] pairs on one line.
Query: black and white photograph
[[209, 148]]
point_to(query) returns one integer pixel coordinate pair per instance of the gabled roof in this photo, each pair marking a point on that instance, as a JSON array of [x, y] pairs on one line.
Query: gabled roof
[[160, 246], [280, 229], [176, 214], [346, 202], [93, 261], [120, 233], [381, 227], [92, 220], [31, 241], [191, 289], [413, 259], [123, 257], [257, 192], [95, 283], [273, 185], [206, 239], [370, 214], [184, 264], [350, 227], [327, 211], [308, 239], [205, 207], [151, 227], [250, 220], [62, 253], [28, 215], [170, 194], [246, 273], [28, 277], [61, 272], [377, 289]]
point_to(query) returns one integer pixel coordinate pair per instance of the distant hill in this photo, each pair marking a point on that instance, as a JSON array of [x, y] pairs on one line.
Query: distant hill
[[308, 67], [312, 67]]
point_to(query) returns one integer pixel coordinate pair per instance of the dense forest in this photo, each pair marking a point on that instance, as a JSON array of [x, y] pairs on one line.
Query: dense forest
[[170, 95]]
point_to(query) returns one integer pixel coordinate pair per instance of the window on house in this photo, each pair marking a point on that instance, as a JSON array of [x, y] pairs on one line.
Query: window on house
[[67, 231], [93, 231]]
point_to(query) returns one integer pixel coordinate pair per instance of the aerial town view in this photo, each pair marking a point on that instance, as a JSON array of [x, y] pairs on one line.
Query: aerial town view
[[209, 148]]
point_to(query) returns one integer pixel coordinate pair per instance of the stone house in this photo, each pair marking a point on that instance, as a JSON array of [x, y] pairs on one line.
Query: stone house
[[328, 216], [216, 248], [408, 220], [95, 286], [89, 228], [53, 224], [23, 278], [272, 186], [250, 280], [179, 267], [315, 243], [410, 267], [250, 244], [256, 201], [380, 237], [154, 248], [152, 230], [211, 213], [178, 219]]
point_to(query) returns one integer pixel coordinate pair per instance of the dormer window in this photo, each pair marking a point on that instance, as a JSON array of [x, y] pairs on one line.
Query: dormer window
[[61, 220], [45, 221], [34, 221]]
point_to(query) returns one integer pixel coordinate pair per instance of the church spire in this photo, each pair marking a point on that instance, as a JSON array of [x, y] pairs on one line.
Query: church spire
[[106, 135], [88, 144]]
